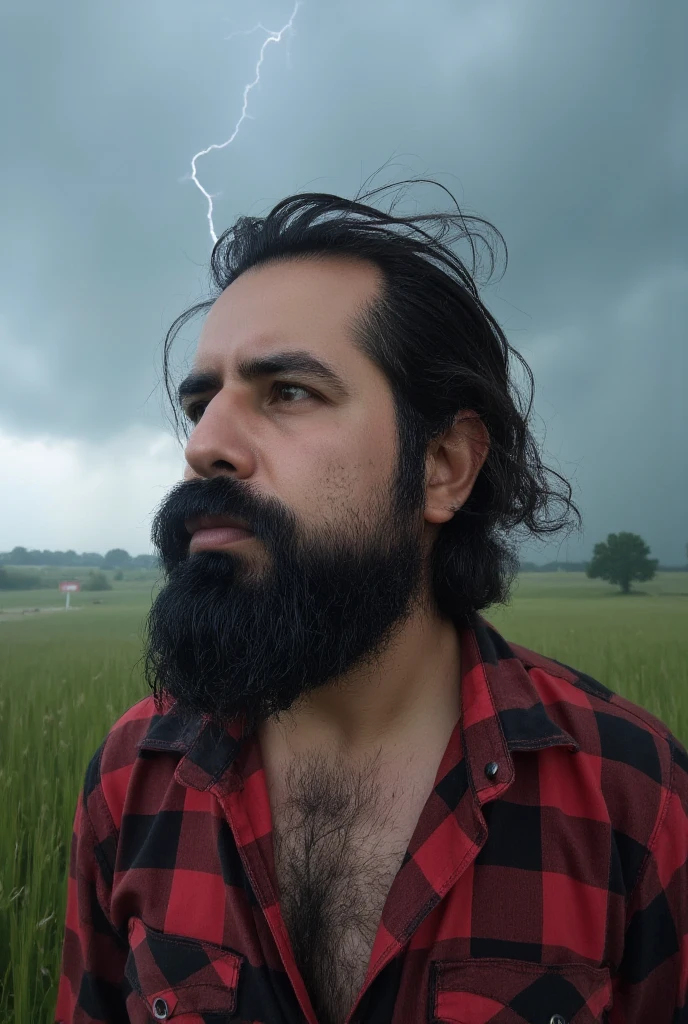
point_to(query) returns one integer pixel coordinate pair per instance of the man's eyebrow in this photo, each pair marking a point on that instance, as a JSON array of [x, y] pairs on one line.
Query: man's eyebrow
[[299, 363], [197, 383]]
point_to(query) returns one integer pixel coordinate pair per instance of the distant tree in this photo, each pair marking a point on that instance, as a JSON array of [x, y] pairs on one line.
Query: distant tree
[[144, 562], [96, 580], [17, 556], [622, 559], [119, 575], [116, 558], [92, 558]]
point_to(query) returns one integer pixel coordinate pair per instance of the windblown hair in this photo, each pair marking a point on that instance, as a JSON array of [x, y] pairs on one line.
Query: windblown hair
[[441, 351]]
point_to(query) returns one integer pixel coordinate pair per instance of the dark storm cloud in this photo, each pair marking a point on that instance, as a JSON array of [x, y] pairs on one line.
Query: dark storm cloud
[[563, 124]]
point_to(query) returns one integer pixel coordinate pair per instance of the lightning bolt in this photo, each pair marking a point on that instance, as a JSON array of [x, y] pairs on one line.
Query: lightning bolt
[[273, 37]]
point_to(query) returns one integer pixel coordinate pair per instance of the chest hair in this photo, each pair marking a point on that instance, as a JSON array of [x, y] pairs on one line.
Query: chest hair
[[339, 842]]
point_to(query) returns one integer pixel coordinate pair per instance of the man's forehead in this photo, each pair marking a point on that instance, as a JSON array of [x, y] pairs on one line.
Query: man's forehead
[[292, 302], [246, 355], [232, 334], [229, 342]]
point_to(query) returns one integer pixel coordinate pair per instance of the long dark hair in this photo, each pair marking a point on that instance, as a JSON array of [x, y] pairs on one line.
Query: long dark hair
[[441, 351]]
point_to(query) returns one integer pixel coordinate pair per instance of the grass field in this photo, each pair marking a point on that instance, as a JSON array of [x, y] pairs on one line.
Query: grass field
[[66, 677]]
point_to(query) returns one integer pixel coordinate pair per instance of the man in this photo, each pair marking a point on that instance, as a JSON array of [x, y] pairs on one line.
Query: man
[[349, 798]]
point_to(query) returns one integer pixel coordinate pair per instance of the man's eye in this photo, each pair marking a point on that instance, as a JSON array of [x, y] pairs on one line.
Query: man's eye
[[195, 411], [279, 386]]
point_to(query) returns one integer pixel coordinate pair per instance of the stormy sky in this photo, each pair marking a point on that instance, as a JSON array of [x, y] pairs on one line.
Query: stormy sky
[[563, 122]]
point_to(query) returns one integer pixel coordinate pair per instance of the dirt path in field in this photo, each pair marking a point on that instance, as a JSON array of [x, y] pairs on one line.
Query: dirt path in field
[[17, 614]]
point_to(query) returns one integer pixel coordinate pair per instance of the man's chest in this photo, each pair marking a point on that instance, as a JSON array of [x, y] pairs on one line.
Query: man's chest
[[339, 843], [332, 893]]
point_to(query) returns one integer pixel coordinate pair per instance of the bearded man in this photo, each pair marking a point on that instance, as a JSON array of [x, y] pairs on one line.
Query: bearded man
[[349, 799]]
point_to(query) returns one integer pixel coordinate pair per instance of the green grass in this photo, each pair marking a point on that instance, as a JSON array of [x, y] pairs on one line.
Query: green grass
[[66, 677]]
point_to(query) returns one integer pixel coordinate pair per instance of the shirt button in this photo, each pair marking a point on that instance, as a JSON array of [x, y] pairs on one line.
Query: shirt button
[[491, 769], [161, 1010], [557, 1018]]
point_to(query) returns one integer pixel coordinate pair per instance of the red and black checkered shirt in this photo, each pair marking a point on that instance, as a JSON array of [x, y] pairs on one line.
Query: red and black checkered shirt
[[546, 881]]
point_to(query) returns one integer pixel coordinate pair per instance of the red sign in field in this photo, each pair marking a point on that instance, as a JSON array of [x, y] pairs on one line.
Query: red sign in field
[[69, 586]]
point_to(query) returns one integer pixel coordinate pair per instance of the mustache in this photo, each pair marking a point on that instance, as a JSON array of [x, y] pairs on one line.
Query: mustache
[[218, 496]]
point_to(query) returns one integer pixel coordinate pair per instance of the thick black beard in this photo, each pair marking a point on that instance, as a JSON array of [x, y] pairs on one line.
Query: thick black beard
[[225, 639]]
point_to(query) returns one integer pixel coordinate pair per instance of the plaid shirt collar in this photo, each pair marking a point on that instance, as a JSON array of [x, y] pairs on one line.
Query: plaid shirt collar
[[501, 711]]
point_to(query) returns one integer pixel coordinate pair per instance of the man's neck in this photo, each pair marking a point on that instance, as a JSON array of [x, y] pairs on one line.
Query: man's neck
[[409, 699]]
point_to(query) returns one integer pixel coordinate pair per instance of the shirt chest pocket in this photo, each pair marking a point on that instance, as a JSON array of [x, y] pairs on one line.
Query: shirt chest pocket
[[482, 991], [178, 979]]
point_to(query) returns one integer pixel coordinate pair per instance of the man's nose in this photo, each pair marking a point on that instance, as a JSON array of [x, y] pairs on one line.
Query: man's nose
[[216, 446]]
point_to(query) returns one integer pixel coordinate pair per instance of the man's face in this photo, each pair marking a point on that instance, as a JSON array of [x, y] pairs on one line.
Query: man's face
[[336, 561]]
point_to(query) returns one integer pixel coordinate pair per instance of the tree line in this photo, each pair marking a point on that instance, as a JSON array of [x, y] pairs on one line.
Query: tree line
[[116, 558]]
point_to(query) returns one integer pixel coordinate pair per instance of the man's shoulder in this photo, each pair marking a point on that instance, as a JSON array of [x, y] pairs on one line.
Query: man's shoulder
[[109, 771], [606, 724], [120, 745]]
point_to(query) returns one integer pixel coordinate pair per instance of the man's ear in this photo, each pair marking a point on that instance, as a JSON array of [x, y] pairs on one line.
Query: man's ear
[[452, 465]]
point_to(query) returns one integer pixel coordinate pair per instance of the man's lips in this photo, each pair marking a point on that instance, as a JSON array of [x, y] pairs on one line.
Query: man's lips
[[212, 532]]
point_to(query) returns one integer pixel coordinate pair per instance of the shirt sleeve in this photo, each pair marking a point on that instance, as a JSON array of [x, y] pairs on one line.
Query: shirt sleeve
[[652, 981], [91, 986]]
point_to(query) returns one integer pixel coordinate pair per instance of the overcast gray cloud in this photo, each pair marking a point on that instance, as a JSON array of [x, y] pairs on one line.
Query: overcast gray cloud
[[563, 123]]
